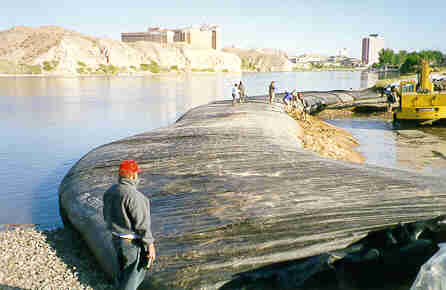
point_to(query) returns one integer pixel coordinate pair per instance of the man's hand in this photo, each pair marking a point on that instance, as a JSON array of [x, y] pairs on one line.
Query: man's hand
[[151, 254]]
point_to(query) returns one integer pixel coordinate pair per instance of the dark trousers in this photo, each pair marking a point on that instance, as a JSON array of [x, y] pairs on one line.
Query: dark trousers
[[132, 262]]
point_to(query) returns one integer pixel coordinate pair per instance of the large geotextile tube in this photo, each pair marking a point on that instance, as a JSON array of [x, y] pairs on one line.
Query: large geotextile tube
[[232, 190], [318, 100]]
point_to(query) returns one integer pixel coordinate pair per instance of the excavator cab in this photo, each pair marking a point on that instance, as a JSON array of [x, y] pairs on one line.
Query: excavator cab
[[418, 101]]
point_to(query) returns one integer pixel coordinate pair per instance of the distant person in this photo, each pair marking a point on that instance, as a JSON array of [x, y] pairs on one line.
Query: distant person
[[302, 106], [391, 98], [234, 93], [242, 92], [294, 98], [127, 215], [287, 100], [272, 92]]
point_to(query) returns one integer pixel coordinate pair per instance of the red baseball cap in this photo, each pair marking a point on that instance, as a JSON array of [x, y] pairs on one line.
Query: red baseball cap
[[128, 167]]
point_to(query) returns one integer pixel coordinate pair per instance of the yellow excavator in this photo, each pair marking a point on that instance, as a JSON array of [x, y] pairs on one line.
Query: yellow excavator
[[418, 101]]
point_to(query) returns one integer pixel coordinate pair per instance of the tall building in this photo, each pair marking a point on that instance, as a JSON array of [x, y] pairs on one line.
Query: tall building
[[371, 46]]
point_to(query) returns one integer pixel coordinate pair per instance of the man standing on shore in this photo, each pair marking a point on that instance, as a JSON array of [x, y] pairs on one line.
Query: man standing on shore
[[242, 91], [127, 215], [234, 94], [272, 92]]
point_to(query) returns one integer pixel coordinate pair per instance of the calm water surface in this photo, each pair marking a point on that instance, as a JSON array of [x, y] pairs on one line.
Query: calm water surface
[[383, 146], [47, 124]]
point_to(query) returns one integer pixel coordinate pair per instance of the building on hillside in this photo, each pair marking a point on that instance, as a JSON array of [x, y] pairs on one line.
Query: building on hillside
[[309, 58], [201, 37], [335, 58], [371, 46], [292, 59], [343, 52], [351, 61], [155, 34]]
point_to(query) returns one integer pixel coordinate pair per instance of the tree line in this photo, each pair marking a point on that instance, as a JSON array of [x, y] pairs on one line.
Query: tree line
[[408, 62]]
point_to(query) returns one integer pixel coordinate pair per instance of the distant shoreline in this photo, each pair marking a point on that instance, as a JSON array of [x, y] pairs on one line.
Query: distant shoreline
[[145, 74]]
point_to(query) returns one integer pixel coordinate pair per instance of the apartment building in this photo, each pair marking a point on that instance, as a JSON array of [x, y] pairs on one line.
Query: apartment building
[[371, 46], [155, 34], [199, 37]]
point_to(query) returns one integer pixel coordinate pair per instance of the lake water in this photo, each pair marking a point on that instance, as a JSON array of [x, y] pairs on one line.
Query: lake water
[[421, 149], [47, 124]]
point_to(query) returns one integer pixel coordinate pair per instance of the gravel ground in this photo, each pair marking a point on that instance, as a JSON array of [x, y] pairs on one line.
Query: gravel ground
[[41, 259]]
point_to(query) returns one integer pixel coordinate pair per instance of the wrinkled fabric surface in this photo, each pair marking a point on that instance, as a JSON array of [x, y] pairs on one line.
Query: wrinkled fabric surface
[[232, 190]]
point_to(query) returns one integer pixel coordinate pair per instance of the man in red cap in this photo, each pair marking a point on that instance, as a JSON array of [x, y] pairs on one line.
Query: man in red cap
[[127, 215]]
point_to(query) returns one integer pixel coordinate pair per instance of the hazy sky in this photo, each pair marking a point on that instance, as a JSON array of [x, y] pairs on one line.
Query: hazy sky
[[319, 26]]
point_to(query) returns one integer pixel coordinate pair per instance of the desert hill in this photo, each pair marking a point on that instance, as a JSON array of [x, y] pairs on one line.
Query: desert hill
[[262, 60], [56, 50]]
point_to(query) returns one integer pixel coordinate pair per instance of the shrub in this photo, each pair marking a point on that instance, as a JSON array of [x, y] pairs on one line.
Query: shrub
[[80, 63], [31, 69], [144, 67], [107, 69], [174, 67], [50, 65], [80, 70], [47, 66], [225, 70], [154, 67], [203, 70], [36, 69], [133, 67], [247, 65]]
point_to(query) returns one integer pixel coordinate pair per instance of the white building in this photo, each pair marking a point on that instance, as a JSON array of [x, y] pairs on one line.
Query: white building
[[343, 52], [307, 58], [371, 46], [200, 37]]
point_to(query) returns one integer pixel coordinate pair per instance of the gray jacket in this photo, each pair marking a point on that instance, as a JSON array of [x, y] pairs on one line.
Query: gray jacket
[[127, 211]]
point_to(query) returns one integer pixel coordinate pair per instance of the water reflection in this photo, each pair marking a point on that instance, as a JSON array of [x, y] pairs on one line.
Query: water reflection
[[368, 79], [49, 123]]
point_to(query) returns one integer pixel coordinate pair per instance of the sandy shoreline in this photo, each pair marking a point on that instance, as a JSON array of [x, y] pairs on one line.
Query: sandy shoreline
[[327, 140]]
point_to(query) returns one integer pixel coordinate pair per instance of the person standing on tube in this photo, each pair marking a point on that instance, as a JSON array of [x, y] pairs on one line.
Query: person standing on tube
[[127, 215]]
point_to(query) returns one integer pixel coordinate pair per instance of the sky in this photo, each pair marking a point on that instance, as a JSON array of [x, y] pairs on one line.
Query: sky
[[295, 26]]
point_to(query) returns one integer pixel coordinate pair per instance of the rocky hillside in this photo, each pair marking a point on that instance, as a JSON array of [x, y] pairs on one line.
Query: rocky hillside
[[55, 50], [262, 60]]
